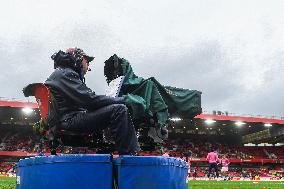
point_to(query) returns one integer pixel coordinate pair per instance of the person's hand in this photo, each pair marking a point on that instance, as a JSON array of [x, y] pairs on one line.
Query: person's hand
[[120, 100]]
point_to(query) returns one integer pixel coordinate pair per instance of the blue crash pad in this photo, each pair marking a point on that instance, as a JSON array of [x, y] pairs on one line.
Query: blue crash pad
[[65, 172], [150, 172]]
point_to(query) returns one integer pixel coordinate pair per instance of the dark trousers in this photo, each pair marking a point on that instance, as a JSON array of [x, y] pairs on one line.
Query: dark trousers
[[116, 117], [215, 166]]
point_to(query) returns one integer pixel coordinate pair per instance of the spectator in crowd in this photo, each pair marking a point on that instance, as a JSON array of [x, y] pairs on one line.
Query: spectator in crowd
[[194, 172], [166, 153]]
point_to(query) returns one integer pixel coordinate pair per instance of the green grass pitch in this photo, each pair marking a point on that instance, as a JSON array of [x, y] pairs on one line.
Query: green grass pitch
[[10, 183], [236, 184], [7, 183]]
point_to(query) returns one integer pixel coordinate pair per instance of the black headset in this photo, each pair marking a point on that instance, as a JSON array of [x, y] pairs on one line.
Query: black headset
[[69, 60]]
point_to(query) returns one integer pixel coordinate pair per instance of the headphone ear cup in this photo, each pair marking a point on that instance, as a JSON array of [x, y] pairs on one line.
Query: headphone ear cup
[[115, 61], [63, 59]]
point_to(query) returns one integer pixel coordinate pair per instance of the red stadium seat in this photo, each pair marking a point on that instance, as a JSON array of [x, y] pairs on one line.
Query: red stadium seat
[[49, 116], [42, 95]]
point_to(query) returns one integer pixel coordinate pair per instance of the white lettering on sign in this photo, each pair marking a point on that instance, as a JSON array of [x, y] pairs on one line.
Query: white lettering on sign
[[18, 180]]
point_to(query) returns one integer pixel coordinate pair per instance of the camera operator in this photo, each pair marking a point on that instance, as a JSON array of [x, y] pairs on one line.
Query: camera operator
[[81, 109]]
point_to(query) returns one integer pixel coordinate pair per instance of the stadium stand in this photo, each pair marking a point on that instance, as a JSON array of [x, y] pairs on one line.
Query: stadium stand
[[187, 138], [7, 167], [30, 143]]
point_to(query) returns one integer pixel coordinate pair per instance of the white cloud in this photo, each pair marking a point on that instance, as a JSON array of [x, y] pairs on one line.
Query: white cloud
[[230, 50]]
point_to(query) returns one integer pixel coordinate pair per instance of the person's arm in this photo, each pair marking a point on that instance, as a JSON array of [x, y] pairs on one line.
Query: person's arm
[[217, 159], [76, 90], [228, 162]]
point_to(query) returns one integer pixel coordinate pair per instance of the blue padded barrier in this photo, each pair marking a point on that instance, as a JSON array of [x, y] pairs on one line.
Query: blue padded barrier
[[65, 172], [150, 172]]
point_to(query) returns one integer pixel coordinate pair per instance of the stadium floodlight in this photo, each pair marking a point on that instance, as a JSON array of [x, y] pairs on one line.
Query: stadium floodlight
[[175, 119], [27, 110], [268, 125], [209, 121], [240, 123]]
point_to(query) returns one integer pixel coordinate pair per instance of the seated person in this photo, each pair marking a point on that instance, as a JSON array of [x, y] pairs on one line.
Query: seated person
[[81, 109]]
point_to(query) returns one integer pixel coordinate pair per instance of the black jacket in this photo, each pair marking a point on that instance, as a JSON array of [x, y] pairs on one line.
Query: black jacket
[[73, 96]]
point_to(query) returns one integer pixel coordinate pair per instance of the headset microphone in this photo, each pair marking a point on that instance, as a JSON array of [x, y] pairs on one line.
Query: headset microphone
[[89, 69]]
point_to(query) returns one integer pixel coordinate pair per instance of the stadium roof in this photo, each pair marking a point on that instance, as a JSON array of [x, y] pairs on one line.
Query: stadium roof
[[240, 118], [18, 104]]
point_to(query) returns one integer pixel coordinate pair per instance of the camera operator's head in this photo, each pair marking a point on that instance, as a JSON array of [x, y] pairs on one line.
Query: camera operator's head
[[74, 58], [81, 58]]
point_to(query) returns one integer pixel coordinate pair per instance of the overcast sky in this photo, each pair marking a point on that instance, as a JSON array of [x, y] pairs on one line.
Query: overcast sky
[[231, 50]]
